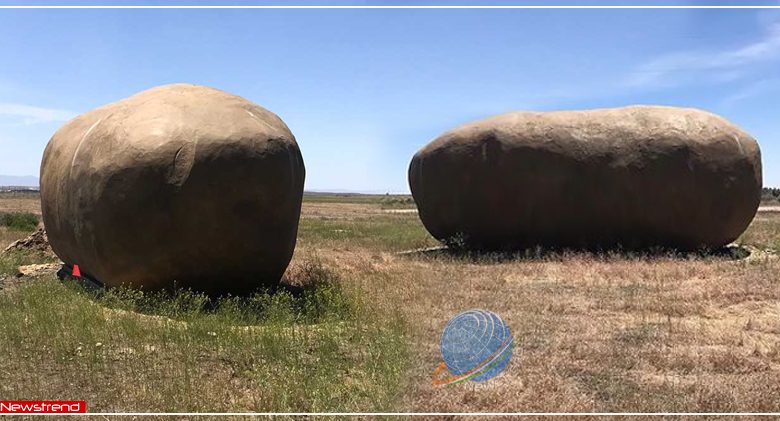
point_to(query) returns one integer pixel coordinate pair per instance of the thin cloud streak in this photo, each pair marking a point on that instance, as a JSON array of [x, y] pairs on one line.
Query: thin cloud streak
[[678, 68], [761, 87], [32, 115]]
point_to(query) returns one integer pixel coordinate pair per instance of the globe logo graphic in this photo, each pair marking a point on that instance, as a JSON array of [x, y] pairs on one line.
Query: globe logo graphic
[[475, 345]]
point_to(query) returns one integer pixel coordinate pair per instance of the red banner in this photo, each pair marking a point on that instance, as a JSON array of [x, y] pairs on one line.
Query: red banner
[[43, 407]]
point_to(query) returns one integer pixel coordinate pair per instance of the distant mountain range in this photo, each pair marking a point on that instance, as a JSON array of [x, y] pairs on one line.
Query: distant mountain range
[[19, 180]]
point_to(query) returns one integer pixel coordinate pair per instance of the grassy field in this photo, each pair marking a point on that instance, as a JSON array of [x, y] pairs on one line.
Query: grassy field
[[594, 332], [20, 202], [322, 350], [387, 201]]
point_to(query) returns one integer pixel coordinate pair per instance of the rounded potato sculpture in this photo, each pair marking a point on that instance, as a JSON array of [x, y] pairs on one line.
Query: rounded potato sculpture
[[180, 185], [634, 177]]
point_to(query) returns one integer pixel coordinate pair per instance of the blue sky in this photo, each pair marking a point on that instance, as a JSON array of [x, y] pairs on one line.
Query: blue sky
[[362, 90]]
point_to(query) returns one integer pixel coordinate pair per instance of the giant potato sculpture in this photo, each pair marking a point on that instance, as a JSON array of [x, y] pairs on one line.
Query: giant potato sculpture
[[179, 185], [634, 177]]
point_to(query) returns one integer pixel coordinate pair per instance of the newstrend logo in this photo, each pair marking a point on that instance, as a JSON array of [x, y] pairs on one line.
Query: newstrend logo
[[476, 345], [43, 407]]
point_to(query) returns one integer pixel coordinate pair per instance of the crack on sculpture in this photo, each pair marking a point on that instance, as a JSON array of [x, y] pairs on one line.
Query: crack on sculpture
[[181, 167], [81, 142]]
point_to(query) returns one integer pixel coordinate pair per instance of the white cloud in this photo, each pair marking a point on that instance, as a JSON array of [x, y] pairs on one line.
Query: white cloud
[[761, 87], [32, 115], [677, 68]]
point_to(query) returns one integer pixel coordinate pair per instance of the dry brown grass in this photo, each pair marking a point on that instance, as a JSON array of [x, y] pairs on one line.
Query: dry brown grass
[[348, 211], [20, 202], [8, 236], [373, 206], [17, 203], [764, 232], [593, 333]]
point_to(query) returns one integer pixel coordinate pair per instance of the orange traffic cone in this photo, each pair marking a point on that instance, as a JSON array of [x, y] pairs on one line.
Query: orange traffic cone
[[76, 271]]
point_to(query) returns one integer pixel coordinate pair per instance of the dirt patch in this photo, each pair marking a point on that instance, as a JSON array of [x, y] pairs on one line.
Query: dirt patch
[[36, 242], [26, 272], [38, 269], [347, 211]]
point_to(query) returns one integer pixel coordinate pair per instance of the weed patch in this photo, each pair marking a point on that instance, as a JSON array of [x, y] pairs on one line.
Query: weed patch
[[19, 221]]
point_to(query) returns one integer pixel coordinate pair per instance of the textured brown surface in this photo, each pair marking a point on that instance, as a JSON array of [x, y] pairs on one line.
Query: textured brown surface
[[35, 242], [636, 177], [177, 183]]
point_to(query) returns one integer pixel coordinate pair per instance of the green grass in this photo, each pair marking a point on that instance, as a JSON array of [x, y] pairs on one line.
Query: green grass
[[19, 221], [397, 202], [322, 349], [382, 233], [763, 232], [10, 262], [316, 197], [329, 347], [20, 195]]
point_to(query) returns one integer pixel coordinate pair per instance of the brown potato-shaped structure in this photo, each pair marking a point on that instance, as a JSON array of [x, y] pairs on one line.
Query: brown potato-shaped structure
[[634, 177], [179, 185]]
